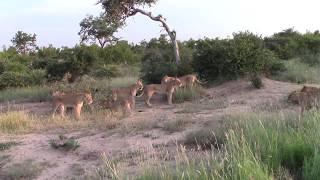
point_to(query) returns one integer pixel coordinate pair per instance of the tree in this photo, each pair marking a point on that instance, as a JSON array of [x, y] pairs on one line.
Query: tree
[[120, 10], [24, 43], [95, 29]]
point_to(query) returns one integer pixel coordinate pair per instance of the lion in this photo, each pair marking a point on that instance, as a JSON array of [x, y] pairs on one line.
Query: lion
[[307, 97], [186, 80], [70, 99], [123, 104], [125, 92], [166, 87]]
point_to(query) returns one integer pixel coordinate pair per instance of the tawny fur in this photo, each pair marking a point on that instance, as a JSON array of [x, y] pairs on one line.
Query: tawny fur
[[123, 104], [307, 97], [166, 87], [72, 99], [126, 92], [187, 80]]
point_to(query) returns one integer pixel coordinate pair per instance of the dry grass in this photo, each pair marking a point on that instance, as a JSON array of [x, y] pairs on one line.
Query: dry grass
[[20, 171]]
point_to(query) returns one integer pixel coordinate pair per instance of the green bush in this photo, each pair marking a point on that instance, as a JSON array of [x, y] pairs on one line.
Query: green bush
[[232, 58], [256, 81], [17, 79], [108, 71], [12, 79], [155, 65], [310, 58], [15, 67]]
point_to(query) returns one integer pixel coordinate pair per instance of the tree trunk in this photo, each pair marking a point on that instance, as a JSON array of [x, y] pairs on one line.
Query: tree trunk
[[172, 34]]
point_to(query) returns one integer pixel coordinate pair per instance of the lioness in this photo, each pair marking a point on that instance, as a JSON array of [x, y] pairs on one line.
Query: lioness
[[125, 92], [166, 87], [187, 80], [75, 100], [123, 104], [307, 97]]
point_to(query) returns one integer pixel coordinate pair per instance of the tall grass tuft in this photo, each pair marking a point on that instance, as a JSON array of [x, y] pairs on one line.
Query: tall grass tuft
[[186, 94], [29, 94], [14, 121], [299, 72]]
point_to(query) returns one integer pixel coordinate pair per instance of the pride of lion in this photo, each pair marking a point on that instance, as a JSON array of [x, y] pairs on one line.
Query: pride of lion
[[123, 98]]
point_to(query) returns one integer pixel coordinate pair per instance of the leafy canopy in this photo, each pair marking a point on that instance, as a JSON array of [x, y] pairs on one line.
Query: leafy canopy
[[23, 42], [96, 29], [119, 10]]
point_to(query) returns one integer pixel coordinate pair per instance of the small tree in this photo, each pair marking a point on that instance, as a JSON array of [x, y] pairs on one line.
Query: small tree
[[95, 29], [120, 10], [24, 43]]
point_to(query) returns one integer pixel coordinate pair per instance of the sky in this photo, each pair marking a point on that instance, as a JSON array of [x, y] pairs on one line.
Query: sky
[[56, 22]]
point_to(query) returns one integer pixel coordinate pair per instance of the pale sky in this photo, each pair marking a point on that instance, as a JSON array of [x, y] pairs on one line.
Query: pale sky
[[57, 21]]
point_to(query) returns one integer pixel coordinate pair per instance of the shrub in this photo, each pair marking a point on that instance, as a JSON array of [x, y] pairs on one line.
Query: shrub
[[64, 143], [109, 71], [17, 79], [310, 58], [256, 81], [15, 67], [155, 65], [232, 58], [12, 79]]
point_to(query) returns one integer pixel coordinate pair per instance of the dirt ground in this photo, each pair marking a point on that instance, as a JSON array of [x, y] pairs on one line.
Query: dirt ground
[[237, 96]]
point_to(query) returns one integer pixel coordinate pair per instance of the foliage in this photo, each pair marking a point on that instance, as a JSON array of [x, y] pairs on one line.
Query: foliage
[[232, 58], [96, 29], [256, 81], [23, 42], [158, 61], [76, 61], [109, 71], [19, 79], [118, 11], [64, 143]]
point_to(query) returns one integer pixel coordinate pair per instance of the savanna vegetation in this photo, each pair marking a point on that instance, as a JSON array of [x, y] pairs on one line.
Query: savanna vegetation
[[253, 145]]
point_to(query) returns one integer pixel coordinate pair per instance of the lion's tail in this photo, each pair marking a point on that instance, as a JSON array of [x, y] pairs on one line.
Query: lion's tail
[[197, 80]]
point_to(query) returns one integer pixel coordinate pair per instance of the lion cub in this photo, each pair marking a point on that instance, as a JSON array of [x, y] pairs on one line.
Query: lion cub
[[166, 87], [70, 99], [125, 92], [123, 104], [187, 80]]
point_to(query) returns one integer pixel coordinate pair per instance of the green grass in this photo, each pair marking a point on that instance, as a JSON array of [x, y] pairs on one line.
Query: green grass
[[299, 72], [255, 146], [7, 145], [186, 94], [29, 94]]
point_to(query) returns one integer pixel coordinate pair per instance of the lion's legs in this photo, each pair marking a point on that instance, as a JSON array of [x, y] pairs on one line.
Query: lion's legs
[[62, 109], [147, 100], [169, 97], [128, 110], [77, 111], [54, 109]]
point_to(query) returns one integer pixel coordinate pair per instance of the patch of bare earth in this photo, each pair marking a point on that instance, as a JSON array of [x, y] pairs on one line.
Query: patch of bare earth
[[146, 128]]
